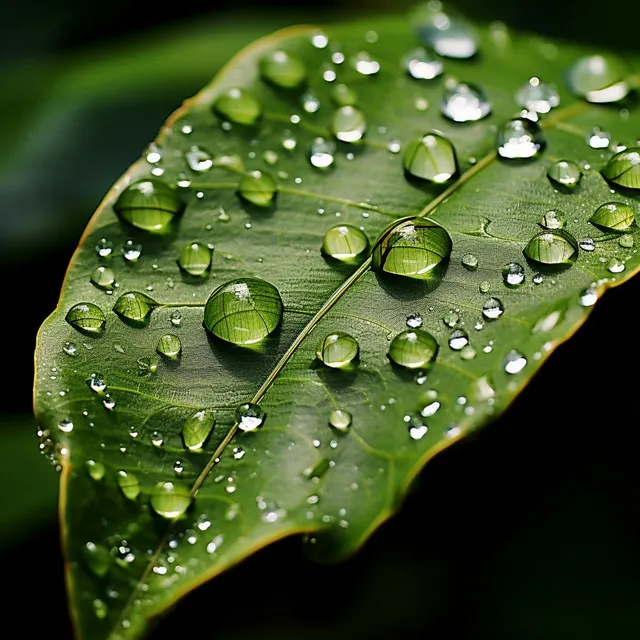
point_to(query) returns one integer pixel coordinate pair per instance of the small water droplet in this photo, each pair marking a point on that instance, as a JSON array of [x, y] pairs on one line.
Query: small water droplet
[[458, 339], [492, 308], [484, 286], [258, 188], [343, 95], [340, 420], [238, 106], [552, 220], [349, 124], [520, 138], [345, 243], [96, 470], [469, 261], [198, 159], [554, 246], [100, 609], [322, 153], [431, 157], [134, 307], [175, 318], [537, 278], [449, 35], [170, 499], [169, 346], [615, 265], [195, 259], [626, 242], [103, 278], [66, 426], [129, 484], [104, 248], [196, 429], [87, 318], [319, 40], [587, 244], [417, 427], [156, 439], [109, 402], [131, 251], [414, 321], [588, 297], [514, 362], [598, 139], [422, 65], [364, 64], [451, 318], [250, 416], [513, 274], [565, 173], [283, 70], [70, 349], [337, 350], [149, 205], [413, 349], [537, 96], [238, 453], [465, 102]]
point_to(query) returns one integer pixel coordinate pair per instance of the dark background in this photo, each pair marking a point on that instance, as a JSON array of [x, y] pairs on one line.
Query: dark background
[[529, 530]]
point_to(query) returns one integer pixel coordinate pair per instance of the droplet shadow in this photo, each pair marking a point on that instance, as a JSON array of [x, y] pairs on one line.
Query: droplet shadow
[[404, 288]]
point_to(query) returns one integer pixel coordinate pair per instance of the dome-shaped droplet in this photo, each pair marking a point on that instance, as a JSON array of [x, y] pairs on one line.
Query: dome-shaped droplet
[[458, 339], [614, 216], [615, 265], [349, 124], [465, 102], [170, 499], [95, 469], [520, 138], [345, 243], [134, 307], [149, 205], [599, 78], [422, 65], [250, 416], [554, 246], [624, 168], [283, 70], [565, 173], [343, 95], [322, 153], [431, 157], [513, 274], [86, 317], [537, 96], [97, 558], [514, 362], [131, 251], [552, 220], [243, 311], [238, 106], [449, 35], [195, 259], [103, 278], [198, 159], [129, 484], [340, 420], [469, 261], [196, 429], [412, 248], [258, 188], [492, 308], [337, 350], [413, 349], [169, 346]]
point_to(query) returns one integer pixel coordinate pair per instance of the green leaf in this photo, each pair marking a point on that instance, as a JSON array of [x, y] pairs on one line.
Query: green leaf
[[459, 303]]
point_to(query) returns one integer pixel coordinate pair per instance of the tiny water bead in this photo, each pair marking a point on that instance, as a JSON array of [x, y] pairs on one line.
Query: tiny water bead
[[626, 242], [412, 248], [195, 259], [422, 64], [337, 350], [283, 70], [431, 157], [598, 139], [587, 244], [537, 96], [131, 251], [196, 429], [565, 173], [469, 261], [129, 485], [258, 188], [451, 318], [365, 64], [458, 339], [492, 308], [513, 274], [588, 297], [97, 558], [552, 220], [104, 248], [345, 243], [343, 95], [414, 321], [170, 499], [613, 216], [149, 204], [520, 138], [250, 416], [87, 318], [243, 311], [134, 307], [349, 124], [340, 420], [97, 383], [66, 426], [465, 102], [238, 106], [413, 349], [514, 362], [322, 153], [623, 169], [70, 348], [169, 346], [103, 278], [198, 159], [449, 36], [599, 79], [554, 246], [417, 427]]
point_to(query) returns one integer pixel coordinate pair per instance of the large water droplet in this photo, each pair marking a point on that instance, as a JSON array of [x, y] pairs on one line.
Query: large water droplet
[[129, 484], [492, 308], [431, 157], [134, 307], [349, 124], [322, 153], [520, 138], [413, 349], [537, 96], [238, 106], [250, 416], [565, 173], [449, 35], [554, 246], [345, 243], [337, 350], [170, 499], [169, 346], [340, 420], [196, 429], [258, 188], [514, 362], [97, 558], [422, 65], [513, 274], [624, 168], [283, 70], [195, 259], [243, 311], [103, 278], [149, 205], [87, 318], [599, 79], [465, 102], [614, 216]]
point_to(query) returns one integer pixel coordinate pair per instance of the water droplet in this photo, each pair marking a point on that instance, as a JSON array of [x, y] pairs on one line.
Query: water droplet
[[149, 205], [514, 362], [588, 297], [131, 251], [345, 243], [554, 246], [340, 420], [451, 318], [449, 35], [565, 173], [364, 64], [615, 265], [66, 426], [599, 79], [520, 138], [243, 311], [70, 349], [238, 106], [196, 429], [492, 308], [337, 350], [322, 153], [170, 499], [413, 349], [614, 216], [537, 96], [469, 261], [422, 65], [349, 124], [169, 346], [97, 558], [626, 242], [148, 365], [195, 259], [87, 318], [418, 428], [552, 220], [109, 403], [412, 248], [100, 609], [156, 439], [128, 484], [484, 286], [343, 95], [310, 102], [134, 307], [238, 453], [96, 470], [283, 70], [198, 159], [103, 278], [598, 139], [468, 352], [587, 244], [431, 157], [319, 40], [250, 416], [414, 321], [458, 339], [465, 102], [624, 168], [258, 188], [513, 274], [104, 248]]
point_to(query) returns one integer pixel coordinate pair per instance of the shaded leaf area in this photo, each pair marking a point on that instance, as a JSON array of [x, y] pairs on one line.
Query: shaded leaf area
[[296, 474]]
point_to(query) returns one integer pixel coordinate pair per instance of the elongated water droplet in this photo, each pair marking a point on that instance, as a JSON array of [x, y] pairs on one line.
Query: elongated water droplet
[[169, 346], [514, 362], [413, 349], [129, 484], [458, 339], [134, 307], [598, 139], [587, 244], [513, 274], [599, 78], [431, 157], [565, 173], [465, 102], [537, 96], [552, 220], [250, 416], [449, 35], [87, 318], [345, 243], [258, 188], [340, 420], [195, 259], [349, 124], [492, 308], [614, 216], [238, 106], [243, 311], [283, 70], [337, 350], [103, 278], [422, 65], [322, 153], [198, 159], [520, 138], [96, 470], [554, 246], [196, 429], [170, 499], [615, 265], [343, 95], [624, 168], [365, 64], [149, 205], [97, 558]]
